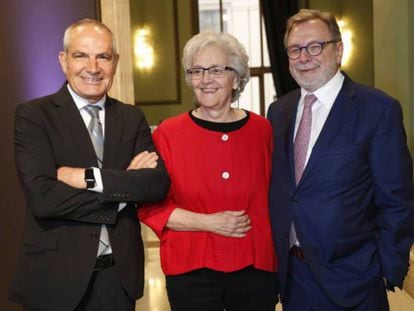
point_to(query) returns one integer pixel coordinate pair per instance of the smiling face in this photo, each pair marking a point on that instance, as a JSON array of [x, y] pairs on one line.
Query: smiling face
[[89, 62], [312, 72], [213, 93]]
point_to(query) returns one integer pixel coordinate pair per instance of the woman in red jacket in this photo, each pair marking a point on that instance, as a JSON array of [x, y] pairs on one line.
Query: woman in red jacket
[[216, 245]]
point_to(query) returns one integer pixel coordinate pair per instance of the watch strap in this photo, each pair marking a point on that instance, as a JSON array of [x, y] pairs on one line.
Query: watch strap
[[90, 178]]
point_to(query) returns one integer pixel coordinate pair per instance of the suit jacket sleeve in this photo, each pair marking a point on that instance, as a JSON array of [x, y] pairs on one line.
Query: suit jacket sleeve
[[391, 168], [146, 185], [38, 154]]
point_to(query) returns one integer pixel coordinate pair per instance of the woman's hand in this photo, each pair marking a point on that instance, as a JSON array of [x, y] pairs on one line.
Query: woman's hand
[[228, 223], [144, 159], [233, 224]]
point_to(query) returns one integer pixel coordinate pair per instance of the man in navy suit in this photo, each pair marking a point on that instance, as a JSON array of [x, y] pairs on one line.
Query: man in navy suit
[[341, 197], [82, 247]]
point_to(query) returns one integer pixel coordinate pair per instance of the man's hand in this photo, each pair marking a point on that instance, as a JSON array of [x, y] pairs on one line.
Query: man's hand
[[72, 176], [144, 159]]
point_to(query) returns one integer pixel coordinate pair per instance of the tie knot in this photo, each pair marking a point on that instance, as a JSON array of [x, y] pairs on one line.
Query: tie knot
[[310, 99], [93, 110]]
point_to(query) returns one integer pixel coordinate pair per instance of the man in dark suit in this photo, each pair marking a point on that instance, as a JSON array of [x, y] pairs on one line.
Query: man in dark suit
[[82, 248], [341, 196]]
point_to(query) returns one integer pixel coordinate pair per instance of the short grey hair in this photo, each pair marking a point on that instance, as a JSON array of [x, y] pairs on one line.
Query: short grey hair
[[231, 47], [87, 21], [305, 15]]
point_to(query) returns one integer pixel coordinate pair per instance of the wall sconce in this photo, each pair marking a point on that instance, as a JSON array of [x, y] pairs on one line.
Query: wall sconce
[[346, 33], [144, 56]]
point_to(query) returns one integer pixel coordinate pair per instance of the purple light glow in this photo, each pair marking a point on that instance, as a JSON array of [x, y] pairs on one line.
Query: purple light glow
[[40, 32]]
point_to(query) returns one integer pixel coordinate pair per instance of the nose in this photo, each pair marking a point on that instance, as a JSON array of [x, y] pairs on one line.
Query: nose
[[93, 65], [206, 76], [304, 56]]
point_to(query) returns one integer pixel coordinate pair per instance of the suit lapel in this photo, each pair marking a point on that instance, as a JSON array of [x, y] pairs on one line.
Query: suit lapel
[[113, 131], [70, 116], [340, 111]]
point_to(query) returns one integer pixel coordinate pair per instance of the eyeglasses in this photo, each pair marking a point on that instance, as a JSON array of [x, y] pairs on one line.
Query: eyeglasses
[[197, 73], [313, 49]]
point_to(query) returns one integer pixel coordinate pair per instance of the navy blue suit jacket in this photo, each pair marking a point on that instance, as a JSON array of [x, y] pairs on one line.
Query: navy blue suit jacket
[[353, 208]]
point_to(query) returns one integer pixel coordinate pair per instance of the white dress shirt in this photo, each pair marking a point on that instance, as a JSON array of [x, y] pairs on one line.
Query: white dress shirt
[[320, 109]]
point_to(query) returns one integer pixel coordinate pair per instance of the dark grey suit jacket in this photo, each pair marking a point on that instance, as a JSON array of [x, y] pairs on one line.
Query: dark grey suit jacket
[[61, 232]]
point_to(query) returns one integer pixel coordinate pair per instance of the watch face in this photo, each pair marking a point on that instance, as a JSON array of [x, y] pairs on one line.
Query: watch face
[[89, 178]]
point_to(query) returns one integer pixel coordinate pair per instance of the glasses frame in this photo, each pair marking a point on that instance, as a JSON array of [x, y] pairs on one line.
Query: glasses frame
[[208, 69], [322, 44]]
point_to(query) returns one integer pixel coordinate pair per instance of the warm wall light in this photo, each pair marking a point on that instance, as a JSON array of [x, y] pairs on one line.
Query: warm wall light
[[144, 57], [347, 41]]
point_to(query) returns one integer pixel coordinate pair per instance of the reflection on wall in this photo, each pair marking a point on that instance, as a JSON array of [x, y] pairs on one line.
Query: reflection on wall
[[144, 57], [155, 38], [346, 33]]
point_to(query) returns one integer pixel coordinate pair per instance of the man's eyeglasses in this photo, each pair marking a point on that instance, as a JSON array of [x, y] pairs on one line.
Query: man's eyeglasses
[[313, 49], [197, 73]]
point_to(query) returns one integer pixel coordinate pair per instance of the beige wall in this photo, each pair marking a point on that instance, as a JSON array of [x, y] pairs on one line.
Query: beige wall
[[410, 100], [394, 49], [394, 68]]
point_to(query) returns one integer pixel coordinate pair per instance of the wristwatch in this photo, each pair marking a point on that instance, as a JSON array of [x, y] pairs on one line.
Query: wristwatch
[[89, 178]]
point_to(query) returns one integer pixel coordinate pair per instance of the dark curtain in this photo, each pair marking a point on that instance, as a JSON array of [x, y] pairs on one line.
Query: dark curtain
[[275, 15]]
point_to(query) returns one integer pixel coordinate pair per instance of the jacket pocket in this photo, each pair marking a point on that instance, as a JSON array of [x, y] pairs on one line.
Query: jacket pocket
[[40, 239]]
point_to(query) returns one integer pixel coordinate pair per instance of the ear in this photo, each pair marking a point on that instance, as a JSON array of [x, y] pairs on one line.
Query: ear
[[236, 84], [116, 60], [63, 61], [339, 52]]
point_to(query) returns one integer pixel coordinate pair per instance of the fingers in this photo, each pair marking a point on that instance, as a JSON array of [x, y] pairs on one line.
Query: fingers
[[144, 159], [241, 224], [231, 223], [240, 230], [240, 221]]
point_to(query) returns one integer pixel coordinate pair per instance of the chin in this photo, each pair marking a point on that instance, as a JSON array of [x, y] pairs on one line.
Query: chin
[[309, 83]]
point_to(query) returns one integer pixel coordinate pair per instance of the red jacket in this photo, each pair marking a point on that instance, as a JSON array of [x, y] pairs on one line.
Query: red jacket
[[210, 172]]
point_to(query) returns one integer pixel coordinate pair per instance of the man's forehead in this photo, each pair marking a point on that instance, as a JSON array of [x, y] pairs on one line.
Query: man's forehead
[[309, 30]]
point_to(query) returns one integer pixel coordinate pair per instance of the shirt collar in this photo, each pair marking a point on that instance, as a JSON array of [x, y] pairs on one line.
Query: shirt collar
[[82, 102], [327, 93]]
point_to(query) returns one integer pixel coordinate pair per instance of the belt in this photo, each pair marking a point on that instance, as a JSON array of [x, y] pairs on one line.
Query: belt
[[297, 252], [103, 262]]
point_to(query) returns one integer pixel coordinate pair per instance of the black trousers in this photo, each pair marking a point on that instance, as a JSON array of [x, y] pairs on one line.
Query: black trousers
[[105, 293], [248, 289]]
